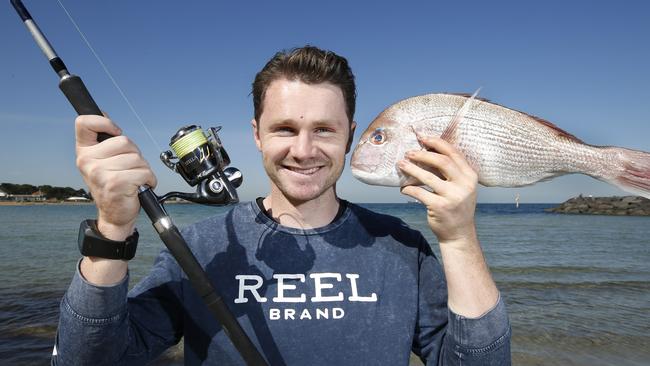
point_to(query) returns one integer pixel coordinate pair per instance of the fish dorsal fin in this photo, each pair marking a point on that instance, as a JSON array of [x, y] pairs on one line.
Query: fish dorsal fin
[[557, 130], [467, 95], [450, 133]]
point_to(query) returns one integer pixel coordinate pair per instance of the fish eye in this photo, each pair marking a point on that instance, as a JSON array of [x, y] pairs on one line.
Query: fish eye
[[378, 137]]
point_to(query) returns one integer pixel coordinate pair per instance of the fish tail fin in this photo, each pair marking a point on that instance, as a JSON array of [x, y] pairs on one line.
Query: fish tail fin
[[630, 170]]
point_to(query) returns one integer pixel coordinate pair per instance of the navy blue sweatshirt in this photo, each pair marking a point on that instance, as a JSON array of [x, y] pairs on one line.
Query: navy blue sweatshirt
[[363, 290]]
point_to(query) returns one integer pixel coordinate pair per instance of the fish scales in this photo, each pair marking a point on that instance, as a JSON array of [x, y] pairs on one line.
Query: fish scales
[[506, 148], [483, 141]]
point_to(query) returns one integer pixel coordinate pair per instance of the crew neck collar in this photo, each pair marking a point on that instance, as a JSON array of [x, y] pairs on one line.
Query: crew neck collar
[[343, 213]]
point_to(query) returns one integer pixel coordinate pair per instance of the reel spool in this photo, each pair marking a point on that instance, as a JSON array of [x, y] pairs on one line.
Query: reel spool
[[202, 160]]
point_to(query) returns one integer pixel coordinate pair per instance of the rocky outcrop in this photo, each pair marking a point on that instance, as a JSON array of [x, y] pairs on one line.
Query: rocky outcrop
[[619, 206]]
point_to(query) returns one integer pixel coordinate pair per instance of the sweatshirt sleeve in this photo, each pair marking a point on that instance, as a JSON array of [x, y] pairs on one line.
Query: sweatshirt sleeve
[[445, 338], [102, 325]]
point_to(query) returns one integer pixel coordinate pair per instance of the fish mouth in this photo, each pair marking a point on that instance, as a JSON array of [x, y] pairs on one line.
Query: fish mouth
[[367, 177], [375, 180], [362, 175]]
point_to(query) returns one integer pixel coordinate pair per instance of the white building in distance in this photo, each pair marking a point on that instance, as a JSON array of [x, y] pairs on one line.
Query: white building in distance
[[77, 199]]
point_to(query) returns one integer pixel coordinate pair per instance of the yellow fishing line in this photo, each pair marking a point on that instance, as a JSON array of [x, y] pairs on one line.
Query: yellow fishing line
[[188, 143]]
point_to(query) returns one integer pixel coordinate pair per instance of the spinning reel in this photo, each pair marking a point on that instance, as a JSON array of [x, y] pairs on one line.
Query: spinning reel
[[201, 160]]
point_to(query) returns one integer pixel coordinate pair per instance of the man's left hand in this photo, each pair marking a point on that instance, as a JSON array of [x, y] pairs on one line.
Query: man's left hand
[[452, 199], [450, 211]]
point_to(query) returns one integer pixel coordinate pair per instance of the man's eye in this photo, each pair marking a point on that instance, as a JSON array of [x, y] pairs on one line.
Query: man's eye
[[284, 129], [323, 130]]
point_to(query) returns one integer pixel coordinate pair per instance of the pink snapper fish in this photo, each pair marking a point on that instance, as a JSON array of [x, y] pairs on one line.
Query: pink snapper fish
[[505, 147]]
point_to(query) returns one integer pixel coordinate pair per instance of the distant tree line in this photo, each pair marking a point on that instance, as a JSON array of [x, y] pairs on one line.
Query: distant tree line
[[59, 193]]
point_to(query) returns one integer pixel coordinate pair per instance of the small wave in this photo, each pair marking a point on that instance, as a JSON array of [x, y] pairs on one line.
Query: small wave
[[596, 285], [40, 331], [558, 270]]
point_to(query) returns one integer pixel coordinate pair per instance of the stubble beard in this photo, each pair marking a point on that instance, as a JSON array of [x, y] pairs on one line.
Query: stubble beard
[[294, 192]]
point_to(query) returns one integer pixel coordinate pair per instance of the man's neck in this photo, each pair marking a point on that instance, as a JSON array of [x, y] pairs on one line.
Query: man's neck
[[306, 215]]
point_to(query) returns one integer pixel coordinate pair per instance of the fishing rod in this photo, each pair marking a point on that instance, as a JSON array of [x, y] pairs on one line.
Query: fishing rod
[[200, 159]]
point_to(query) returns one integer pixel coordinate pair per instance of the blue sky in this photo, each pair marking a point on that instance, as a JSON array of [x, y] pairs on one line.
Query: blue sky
[[581, 64]]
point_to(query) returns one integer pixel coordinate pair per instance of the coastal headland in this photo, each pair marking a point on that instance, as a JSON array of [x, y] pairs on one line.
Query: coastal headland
[[617, 206]]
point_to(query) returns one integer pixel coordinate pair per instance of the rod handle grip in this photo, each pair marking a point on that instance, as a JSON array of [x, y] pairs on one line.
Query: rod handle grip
[[21, 10], [78, 95]]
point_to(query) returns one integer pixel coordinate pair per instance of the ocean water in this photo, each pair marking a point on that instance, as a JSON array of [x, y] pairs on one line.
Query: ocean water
[[577, 287]]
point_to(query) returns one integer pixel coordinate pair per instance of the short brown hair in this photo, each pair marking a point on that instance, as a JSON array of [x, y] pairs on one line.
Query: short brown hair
[[310, 65]]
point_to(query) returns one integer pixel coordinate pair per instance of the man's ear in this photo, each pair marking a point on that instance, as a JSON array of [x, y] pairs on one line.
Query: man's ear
[[353, 126], [256, 134]]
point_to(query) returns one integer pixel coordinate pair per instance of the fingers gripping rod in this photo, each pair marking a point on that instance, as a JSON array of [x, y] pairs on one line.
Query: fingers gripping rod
[[78, 95]]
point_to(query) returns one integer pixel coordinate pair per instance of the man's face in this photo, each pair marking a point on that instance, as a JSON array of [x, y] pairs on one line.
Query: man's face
[[303, 135]]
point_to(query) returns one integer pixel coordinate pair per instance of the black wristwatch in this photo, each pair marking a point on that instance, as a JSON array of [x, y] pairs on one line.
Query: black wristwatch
[[93, 244]]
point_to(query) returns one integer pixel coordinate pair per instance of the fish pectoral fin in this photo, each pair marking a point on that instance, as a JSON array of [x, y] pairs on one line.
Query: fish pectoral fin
[[450, 134]]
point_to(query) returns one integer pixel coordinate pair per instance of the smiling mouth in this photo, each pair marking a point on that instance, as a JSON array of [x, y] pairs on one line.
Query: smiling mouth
[[303, 171]]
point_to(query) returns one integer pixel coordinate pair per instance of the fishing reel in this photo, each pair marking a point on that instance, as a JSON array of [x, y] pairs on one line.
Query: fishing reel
[[202, 161]]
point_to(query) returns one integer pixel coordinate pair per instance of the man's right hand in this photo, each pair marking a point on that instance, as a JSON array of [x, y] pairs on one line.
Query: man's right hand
[[113, 170]]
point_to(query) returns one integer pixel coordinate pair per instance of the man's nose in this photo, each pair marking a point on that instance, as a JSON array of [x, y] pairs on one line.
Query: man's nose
[[304, 147]]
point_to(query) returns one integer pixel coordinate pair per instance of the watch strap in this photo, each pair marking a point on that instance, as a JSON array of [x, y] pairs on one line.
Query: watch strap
[[93, 244]]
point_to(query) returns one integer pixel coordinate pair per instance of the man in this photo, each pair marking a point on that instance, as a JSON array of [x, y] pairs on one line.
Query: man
[[313, 279]]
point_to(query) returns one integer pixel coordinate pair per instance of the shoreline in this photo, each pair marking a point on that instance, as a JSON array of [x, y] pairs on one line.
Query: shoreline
[[43, 203], [64, 203], [68, 203]]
